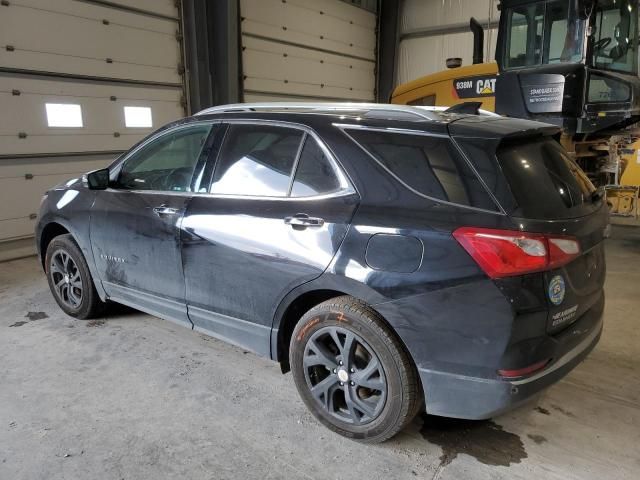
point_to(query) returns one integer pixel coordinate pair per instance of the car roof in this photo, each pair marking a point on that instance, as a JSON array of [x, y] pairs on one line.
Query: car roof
[[377, 115]]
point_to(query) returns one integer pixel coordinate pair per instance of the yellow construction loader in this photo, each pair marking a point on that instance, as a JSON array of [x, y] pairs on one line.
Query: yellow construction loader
[[573, 63]]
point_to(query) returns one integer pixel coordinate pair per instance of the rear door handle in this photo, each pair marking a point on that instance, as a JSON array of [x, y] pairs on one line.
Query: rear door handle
[[164, 210], [304, 220]]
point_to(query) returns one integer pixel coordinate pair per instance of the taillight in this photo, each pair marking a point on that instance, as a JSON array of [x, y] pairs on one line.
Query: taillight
[[503, 253]]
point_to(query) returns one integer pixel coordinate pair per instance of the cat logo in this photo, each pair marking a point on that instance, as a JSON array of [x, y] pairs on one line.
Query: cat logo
[[474, 87], [486, 86]]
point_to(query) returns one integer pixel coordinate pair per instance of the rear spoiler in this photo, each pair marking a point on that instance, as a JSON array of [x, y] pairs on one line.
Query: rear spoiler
[[501, 128], [470, 108]]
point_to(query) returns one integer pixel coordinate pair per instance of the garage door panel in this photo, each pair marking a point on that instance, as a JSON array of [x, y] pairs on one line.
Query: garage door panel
[[257, 97], [24, 181], [308, 48], [17, 168], [311, 39], [61, 143], [99, 115], [273, 65], [349, 33], [160, 7], [16, 228], [312, 91], [55, 40], [29, 192], [103, 118]]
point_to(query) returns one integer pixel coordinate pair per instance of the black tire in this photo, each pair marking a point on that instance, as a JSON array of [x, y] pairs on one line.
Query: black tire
[[392, 396], [66, 268]]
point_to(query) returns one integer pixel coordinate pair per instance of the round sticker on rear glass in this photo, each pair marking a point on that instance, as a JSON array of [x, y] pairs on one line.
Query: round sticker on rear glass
[[556, 290]]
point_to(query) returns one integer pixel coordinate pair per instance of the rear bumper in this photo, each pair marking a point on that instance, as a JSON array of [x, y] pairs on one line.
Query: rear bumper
[[459, 396]]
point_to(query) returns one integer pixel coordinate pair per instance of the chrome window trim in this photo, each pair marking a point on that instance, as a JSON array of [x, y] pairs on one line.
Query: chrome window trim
[[338, 193], [345, 127]]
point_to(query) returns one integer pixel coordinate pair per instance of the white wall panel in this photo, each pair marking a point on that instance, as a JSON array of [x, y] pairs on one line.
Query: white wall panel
[[322, 49], [66, 36], [418, 14], [426, 55], [102, 116]]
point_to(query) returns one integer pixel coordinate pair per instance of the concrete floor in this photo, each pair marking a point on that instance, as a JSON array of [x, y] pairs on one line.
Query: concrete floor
[[134, 397]]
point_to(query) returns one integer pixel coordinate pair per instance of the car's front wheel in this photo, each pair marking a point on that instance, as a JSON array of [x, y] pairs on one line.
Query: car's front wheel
[[70, 280], [352, 372]]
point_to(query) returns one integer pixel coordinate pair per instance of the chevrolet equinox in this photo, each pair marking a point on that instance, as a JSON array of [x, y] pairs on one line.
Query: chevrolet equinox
[[396, 259]]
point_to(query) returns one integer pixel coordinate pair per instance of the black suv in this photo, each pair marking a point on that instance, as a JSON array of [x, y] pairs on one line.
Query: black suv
[[396, 259]]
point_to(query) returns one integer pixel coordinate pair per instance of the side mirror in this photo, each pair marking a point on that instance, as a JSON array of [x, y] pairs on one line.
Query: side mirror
[[97, 179]]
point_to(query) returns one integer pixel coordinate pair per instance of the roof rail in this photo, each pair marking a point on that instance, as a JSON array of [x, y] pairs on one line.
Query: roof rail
[[420, 112]]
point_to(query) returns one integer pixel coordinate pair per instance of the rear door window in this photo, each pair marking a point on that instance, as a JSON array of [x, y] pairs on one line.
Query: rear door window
[[545, 182], [430, 166], [314, 175], [256, 160]]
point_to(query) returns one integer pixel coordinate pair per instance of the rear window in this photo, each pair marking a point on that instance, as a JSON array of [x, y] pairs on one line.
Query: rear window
[[545, 181], [430, 166]]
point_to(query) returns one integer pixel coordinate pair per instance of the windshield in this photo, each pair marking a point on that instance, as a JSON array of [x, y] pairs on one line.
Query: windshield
[[614, 36], [544, 32]]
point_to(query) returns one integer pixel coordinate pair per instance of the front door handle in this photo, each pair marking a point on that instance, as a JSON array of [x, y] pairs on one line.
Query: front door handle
[[304, 220], [164, 210]]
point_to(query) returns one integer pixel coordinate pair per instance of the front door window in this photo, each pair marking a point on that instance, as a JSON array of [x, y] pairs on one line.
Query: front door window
[[166, 163]]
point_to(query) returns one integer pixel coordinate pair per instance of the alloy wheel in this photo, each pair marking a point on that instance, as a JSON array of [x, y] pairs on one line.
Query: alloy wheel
[[66, 279], [344, 375]]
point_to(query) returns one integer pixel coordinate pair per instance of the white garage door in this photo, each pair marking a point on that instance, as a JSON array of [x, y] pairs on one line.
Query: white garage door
[[307, 49], [80, 82]]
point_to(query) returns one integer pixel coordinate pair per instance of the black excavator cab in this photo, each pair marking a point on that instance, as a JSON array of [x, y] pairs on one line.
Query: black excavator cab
[[573, 63]]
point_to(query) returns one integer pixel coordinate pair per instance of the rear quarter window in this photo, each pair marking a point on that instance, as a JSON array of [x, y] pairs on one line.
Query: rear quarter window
[[545, 181], [428, 165]]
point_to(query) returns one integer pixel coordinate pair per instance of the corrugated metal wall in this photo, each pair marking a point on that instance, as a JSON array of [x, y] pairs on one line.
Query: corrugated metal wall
[[99, 57], [433, 30]]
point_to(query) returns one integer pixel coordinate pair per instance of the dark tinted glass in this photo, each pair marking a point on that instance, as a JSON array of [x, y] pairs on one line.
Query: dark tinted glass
[[314, 175], [546, 183], [429, 165], [166, 163], [256, 160]]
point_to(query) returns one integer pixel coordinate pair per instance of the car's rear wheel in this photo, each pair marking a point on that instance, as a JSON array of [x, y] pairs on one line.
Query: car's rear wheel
[[69, 279], [352, 372]]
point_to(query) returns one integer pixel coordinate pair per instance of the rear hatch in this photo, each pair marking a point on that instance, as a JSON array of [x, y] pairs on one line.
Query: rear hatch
[[553, 196]]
